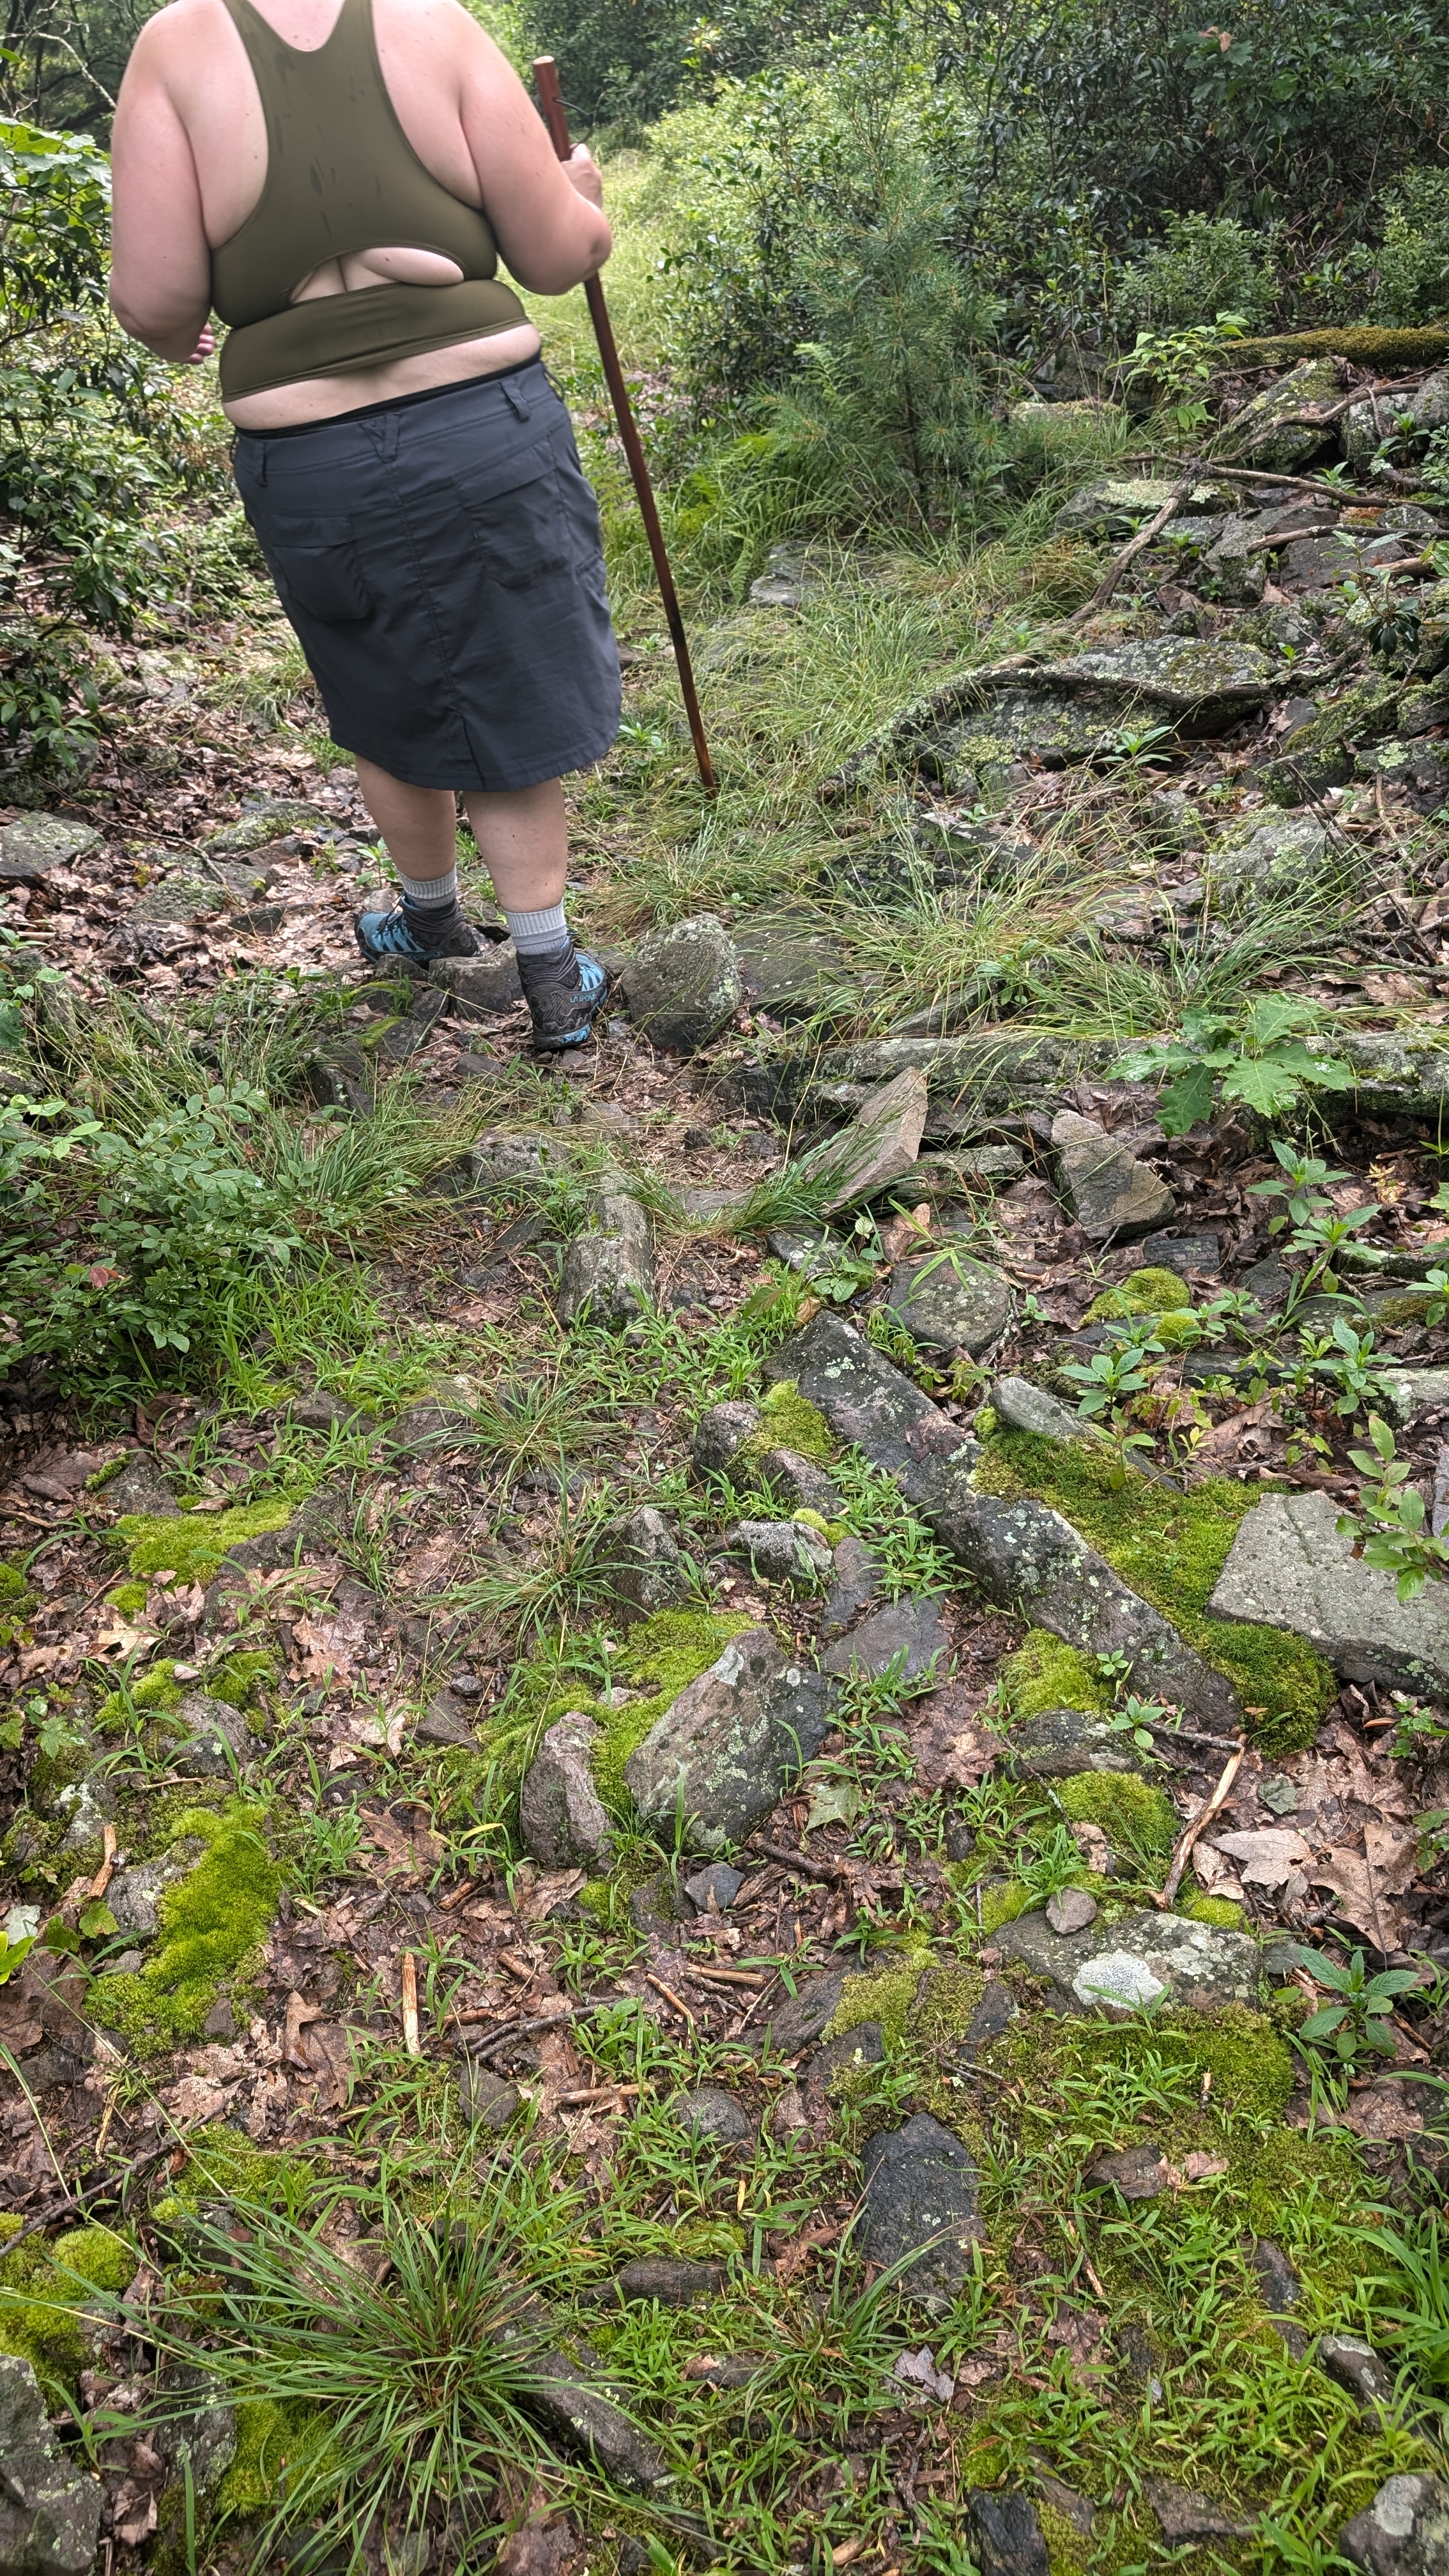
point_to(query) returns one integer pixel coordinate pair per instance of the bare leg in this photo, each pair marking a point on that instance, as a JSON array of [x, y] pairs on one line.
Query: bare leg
[[522, 838], [418, 823]]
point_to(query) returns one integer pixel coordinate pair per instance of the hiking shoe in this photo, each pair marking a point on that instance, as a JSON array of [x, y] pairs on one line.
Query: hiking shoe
[[563, 993], [419, 935]]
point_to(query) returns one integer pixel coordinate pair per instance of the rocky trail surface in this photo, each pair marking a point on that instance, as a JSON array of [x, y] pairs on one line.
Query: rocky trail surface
[[791, 1744]]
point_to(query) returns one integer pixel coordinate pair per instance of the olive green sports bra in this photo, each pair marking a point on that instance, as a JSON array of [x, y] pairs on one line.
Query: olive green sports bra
[[341, 177]]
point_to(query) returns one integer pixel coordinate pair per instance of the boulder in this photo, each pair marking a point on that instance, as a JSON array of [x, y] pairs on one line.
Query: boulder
[[480, 986], [783, 1551], [921, 2190], [609, 1274], [50, 2515], [909, 1635], [1277, 854], [560, 1816], [1112, 1196], [1143, 1958], [722, 1753], [879, 1146], [1288, 1567], [1404, 2532], [789, 966], [950, 1302], [1119, 503], [684, 984], [1263, 431], [639, 1566], [38, 843]]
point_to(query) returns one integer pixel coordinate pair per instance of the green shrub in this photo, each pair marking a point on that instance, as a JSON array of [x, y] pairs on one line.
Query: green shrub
[[1414, 258], [1205, 265]]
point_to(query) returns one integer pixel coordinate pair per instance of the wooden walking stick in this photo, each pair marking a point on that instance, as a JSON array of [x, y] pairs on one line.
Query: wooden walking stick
[[545, 72]]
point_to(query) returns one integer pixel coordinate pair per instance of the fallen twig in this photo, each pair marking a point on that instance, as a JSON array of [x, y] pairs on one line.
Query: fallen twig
[[412, 2040], [1134, 547], [828, 1871], [1182, 1849], [670, 1997]]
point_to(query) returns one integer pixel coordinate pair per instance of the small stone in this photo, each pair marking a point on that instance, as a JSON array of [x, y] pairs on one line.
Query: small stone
[[723, 1751], [909, 1636], [341, 1077], [921, 2203], [1071, 1910], [803, 2016], [50, 2517], [444, 1721], [672, 2279], [1021, 1406], [684, 984], [799, 1483], [560, 1816], [1180, 1252], [1277, 2280], [867, 1400], [805, 1247], [949, 1302], [609, 1274], [1144, 1957], [1113, 1197], [1289, 1567], [1062, 1742], [1186, 2516], [714, 1889], [639, 1566], [721, 1434], [783, 1551], [133, 1893], [482, 985], [864, 2045], [880, 1145], [138, 1490], [591, 2423], [1404, 2532], [1356, 2366], [857, 1583], [710, 2112], [220, 2023], [994, 2014], [789, 966], [37, 843], [1004, 2533]]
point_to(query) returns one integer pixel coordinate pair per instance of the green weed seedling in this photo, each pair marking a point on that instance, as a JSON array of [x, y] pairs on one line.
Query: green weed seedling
[[1255, 1054], [1391, 1527], [1358, 2024]]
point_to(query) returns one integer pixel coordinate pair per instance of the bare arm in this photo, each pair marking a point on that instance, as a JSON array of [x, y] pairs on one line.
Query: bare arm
[[547, 215], [160, 262]]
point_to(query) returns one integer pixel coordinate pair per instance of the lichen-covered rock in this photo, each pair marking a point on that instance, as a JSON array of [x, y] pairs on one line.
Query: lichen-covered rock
[[1141, 1959], [880, 1145], [720, 1435], [788, 964], [1112, 1196], [949, 1302], [921, 2190], [560, 1814], [710, 2112], [484, 985], [1122, 502], [684, 984], [798, 1483], [1024, 1407], [38, 843], [1263, 430], [722, 1753], [1235, 568], [909, 1639], [1404, 2532], [1367, 426], [50, 2516], [1005, 2535], [783, 1551], [1319, 753], [1061, 1742], [1289, 1567], [609, 1273], [1277, 854], [866, 1400], [639, 1566]]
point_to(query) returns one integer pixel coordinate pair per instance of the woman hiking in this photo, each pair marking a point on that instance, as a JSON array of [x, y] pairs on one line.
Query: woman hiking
[[336, 183]]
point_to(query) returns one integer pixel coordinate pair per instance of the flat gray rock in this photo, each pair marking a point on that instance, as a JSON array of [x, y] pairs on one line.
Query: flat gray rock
[[909, 1635], [1113, 1197], [788, 963], [481, 986], [802, 2017], [1289, 1568], [878, 1147], [50, 2517], [1024, 1407], [921, 2203], [639, 1566], [799, 1483], [868, 1401], [1143, 1958], [1185, 2515], [864, 2045], [37, 843], [1125, 502], [951, 1303], [560, 1816], [723, 1752], [994, 2014], [783, 1551], [609, 1274], [1274, 853], [1413, 1391], [1059, 1743], [1181, 1252], [684, 984], [857, 1583], [1404, 2532]]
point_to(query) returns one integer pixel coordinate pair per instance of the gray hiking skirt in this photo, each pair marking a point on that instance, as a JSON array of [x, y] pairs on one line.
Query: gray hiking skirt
[[440, 560]]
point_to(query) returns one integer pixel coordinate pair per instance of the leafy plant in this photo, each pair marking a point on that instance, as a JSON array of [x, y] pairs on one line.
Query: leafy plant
[[13, 1954], [1358, 2023], [1112, 1381], [1391, 1527], [1256, 1053], [1348, 1362], [1181, 363], [1309, 1218]]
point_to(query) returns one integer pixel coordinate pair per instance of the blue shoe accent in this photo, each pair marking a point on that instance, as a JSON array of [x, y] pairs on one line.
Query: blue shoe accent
[[381, 935], [563, 1011]]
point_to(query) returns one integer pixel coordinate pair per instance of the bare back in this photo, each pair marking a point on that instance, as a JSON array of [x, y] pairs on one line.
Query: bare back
[[190, 159]]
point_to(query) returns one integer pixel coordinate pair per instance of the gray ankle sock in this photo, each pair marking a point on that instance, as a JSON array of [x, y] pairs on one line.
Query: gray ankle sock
[[430, 894]]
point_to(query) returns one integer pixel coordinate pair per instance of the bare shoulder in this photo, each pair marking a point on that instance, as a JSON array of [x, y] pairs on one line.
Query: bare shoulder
[[442, 27], [176, 34]]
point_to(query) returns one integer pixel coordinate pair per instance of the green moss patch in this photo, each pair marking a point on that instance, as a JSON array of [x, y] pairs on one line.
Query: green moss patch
[[13, 1587], [158, 1689], [211, 1923], [662, 1655], [888, 1997], [240, 1680], [1044, 1673], [1147, 1292], [1171, 1548], [45, 2295], [790, 1421], [1134, 1816], [1219, 1910], [191, 1547]]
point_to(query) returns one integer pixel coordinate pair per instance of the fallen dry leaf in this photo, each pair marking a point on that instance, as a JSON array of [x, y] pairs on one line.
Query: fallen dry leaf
[[1365, 1895], [133, 2515], [1202, 2168], [552, 1889], [196, 2098], [1268, 1855], [794, 2255], [1382, 2112], [298, 2016]]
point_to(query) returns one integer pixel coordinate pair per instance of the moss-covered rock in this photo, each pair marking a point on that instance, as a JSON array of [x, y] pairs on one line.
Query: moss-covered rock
[[1135, 1817], [789, 1421], [1146, 1292], [44, 2314], [190, 1548], [211, 1927], [1044, 1673]]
